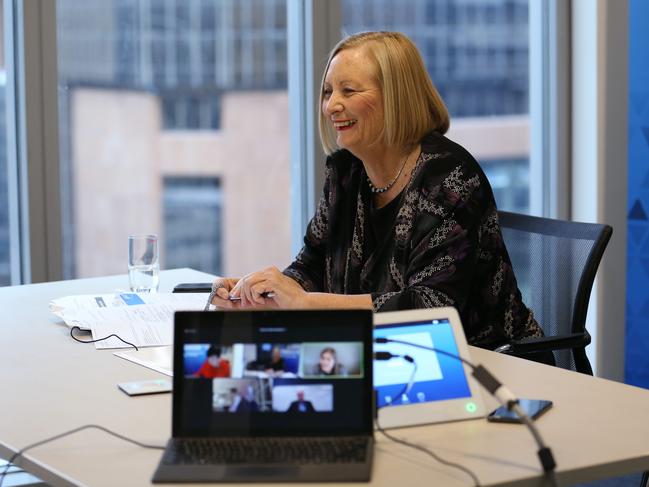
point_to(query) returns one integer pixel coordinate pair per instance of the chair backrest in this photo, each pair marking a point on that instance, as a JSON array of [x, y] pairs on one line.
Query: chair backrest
[[555, 263]]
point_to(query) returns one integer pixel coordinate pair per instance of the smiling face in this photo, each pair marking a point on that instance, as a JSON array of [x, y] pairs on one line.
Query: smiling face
[[352, 100], [327, 362]]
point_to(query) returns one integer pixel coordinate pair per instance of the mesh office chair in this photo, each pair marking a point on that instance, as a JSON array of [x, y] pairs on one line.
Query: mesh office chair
[[555, 263]]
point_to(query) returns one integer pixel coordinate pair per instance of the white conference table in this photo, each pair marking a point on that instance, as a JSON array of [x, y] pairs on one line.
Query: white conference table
[[50, 384]]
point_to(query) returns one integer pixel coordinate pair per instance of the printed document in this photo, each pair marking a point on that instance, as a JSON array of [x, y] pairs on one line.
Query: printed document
[[143, 320], [143, 326]]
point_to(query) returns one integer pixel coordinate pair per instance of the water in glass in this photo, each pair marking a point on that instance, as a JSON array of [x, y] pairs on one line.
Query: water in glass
[[144, 278], [143, 264]]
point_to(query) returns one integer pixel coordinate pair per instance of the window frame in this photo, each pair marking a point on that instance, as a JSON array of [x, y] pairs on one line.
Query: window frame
[[550, 107], [32, 141], [313, 28]]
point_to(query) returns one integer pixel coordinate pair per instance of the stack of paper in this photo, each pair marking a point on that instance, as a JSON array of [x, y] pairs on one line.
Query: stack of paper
[[144, 320]]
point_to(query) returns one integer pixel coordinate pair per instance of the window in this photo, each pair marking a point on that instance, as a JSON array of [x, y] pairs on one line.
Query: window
[[5, 267], [477, 56], [5, 243], [193, 223], [135, 107], [189, 110], [168, 127]]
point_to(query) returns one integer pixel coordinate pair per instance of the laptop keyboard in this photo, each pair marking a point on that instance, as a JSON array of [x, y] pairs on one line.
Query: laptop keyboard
[[267, 450]]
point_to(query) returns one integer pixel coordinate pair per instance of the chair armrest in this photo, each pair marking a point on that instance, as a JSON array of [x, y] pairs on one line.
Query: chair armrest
[[560, 342]]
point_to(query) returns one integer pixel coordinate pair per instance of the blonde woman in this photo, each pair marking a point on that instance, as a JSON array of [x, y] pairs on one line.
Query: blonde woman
[[407, 218]]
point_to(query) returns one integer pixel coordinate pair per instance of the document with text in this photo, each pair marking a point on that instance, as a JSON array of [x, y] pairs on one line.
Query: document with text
[[143, 326], [88, 310]]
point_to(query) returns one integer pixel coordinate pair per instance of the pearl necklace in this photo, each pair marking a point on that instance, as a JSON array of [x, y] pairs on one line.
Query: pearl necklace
[[376, 190]]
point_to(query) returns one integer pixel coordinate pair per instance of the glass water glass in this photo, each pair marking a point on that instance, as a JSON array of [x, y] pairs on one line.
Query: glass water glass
[[143, 265]]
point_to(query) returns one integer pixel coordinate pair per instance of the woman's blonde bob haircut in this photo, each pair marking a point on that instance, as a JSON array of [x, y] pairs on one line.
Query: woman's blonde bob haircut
[[412, 106]]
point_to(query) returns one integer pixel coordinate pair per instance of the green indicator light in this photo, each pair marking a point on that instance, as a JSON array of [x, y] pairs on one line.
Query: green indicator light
[[471, 407]]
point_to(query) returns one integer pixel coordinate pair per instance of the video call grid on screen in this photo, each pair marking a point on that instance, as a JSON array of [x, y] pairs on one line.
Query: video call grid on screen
[[274, 378], [438, 377]]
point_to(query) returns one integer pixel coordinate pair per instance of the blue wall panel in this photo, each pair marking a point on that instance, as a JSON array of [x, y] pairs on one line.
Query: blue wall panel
[[637, 310]]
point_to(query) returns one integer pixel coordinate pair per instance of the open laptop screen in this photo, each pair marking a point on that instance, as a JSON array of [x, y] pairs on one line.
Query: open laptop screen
[[252, 373]]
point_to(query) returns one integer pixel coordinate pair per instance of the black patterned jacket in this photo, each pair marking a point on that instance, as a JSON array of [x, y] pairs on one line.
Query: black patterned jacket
[[446, 248]]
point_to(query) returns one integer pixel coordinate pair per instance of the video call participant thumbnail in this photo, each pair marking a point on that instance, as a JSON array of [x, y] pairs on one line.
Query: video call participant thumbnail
[[303, 397], [334, 359], [301, 405], [243, 400], [276, 364], [328, 363], [240, 395], [214, 366]]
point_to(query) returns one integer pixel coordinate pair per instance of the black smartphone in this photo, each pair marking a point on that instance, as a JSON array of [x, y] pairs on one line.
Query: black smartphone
[[532, 407], [193, 287]]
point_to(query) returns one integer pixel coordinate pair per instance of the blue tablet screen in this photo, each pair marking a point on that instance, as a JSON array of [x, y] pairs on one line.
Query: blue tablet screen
[[438, 377]]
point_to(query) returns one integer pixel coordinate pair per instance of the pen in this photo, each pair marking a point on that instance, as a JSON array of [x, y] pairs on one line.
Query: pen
[[231, 298], [263, 295]]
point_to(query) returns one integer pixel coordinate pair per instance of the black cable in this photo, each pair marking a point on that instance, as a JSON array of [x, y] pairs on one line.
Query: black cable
[[382, 355], [430, 349], [408, 385], [66, 433], [99, 339], [498, 390], [407, 358], [427, 451], [544, 453]]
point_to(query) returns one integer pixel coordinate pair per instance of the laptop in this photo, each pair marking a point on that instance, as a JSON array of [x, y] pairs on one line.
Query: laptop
[[280, 396]]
